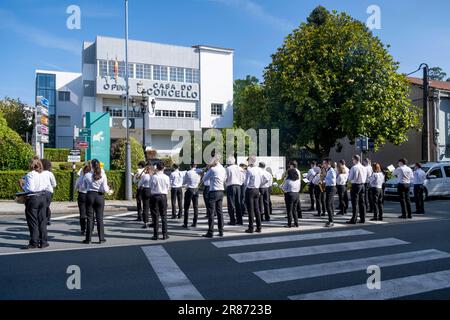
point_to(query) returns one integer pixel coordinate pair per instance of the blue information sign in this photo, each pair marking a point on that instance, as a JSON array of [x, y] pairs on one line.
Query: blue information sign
[[99, 139]]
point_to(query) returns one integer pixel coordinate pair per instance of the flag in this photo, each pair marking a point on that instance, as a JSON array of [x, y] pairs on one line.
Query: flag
[[116, 69]]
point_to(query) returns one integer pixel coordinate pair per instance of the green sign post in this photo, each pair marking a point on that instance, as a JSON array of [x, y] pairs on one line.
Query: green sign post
[[99, 139]]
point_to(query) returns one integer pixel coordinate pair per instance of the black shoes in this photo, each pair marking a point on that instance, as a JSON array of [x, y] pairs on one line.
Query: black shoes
[[145, 226], [258, 230], [30, 247], [194, 225], [374, 219], [231, 223], [87, 241], [249, 231], [185, 227], [103, 241], [329, 224], [166, 237], [351, 222], [208, 235], [402, 217], [220, 233], [44, 245], [155, 238]]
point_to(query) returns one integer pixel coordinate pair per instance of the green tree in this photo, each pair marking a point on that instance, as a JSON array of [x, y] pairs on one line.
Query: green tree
[[332, 78], [436, 73], [14, 153], [118, 154], [18, 115]]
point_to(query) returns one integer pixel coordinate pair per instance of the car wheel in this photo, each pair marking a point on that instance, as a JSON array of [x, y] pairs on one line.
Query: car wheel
[[425, 195]]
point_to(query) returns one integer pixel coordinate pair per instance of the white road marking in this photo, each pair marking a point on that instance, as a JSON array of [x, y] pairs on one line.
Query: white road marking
[[314, 250], [65, 217], [174, 281], [126, 214], [390, 289], [298, 237], [338, 267]]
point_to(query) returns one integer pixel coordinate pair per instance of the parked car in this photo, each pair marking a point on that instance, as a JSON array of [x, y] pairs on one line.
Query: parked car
[[436, 184]]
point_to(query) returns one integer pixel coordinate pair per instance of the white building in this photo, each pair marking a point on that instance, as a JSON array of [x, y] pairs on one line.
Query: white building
[[192, 88]]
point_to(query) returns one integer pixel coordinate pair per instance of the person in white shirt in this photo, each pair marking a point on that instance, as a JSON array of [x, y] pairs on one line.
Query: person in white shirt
[[34, 184], [191, 181], [319, 192], [233, 183], [330, 190], [80, 186], [405, 176], [376, 181], [243, 167], [159, 188], [357, 176], [176, 191], [96, 184], [144, 183], [294, 165], [266, 183], [253, 182], [50, 185], [216, 176], [137, 176], [419, 179], [291, 188], [341, 187], [367, 196], [310, 176]]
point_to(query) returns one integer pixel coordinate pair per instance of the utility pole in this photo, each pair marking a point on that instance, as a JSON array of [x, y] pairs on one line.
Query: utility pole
[[128, 182], [426, 129]]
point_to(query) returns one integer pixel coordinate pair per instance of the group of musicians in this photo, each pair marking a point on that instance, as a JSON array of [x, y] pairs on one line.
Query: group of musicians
[[248, 191]]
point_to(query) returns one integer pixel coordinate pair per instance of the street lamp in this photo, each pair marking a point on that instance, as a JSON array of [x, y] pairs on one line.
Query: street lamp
[[144, 110]]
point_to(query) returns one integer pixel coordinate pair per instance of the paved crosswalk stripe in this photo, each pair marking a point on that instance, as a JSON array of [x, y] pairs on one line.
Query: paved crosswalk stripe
[[314, 250], [297, 237], [175, 282], [331, 268], [390, 289]]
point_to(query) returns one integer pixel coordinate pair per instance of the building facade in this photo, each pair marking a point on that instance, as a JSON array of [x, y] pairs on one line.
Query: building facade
[[192, 89]]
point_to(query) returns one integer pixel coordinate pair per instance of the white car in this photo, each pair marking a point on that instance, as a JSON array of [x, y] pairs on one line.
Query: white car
[[436, 184]]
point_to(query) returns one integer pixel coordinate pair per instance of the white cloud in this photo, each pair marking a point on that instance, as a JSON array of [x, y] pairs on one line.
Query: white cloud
[[258, 12], [37, 36]]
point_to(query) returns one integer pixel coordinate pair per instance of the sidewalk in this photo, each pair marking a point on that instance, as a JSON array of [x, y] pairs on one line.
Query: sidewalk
[[111, 206]]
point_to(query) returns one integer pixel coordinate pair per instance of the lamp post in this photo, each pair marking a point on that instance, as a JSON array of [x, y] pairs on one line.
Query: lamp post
[[144, 110], [128, 181]]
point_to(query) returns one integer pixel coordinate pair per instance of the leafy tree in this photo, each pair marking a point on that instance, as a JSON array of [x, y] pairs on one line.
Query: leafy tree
[[332, 78], [118, 154], [14, 153], [436, 73], [18, 115]]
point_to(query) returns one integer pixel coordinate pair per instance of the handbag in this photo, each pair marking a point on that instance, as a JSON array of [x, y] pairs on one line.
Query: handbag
[[21, 197]]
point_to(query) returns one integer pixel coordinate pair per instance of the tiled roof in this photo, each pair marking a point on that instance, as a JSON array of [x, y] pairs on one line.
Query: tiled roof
[[441, 85]]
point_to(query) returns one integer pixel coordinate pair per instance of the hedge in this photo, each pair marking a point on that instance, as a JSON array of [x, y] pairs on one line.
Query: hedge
[[59, 155], [9, 185]]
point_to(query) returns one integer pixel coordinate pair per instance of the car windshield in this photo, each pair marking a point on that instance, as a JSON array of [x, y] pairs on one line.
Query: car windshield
[[426, 169]]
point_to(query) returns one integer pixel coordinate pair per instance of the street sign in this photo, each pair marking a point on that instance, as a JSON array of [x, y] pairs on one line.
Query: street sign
[[44, 130], [43, 139], [44, 120], [41, 101], [86, 132], [73, 159], [82, 145], [75, 152]]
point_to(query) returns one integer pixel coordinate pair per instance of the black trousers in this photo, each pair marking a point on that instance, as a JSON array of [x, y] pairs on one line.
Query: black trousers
[[243, 204], [291, 200], [159, 202], [405, 201], [191, 195], [82, 199], [419, 190], [343, 198], [176, 196], [358, 202], [330, 192], [234, 204], [311, 195], [368, 197], [35, 212], [215, 209], [252, 201], [206, 199], [377, 199], [320, 200], [139, 203], [48, 212], [264, 203], [147, 203], [95, 204]]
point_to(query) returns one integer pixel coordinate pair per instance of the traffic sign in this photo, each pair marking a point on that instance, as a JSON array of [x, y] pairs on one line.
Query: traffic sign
[[73, 159], [75, 152], [44, 120], [82, 145], [42, 101], [43, 139], [43, 111], [85, 132], [42, 129]]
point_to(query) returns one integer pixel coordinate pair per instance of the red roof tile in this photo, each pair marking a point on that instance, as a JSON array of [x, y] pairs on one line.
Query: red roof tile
[[441, 85]]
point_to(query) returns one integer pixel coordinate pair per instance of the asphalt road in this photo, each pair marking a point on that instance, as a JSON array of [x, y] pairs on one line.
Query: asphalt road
[[280, 264]]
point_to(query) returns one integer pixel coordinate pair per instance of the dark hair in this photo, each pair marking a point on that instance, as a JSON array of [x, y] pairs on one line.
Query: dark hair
[[141, 164], [96, 169], [342, 162], [314, 163], [357, 158], [292, 175], [328, 160], [193, 165], [294, 164], [419, 165], [175, 166], [160, 166], [36, 165], [262, 165], [86, 169], [47, 165], [404, 161]]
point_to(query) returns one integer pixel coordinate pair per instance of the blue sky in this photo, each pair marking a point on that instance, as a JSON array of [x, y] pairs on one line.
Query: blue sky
[[33, 33]]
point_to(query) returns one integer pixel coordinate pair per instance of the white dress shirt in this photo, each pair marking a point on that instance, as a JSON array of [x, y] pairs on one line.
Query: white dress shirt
[[176, 179], [34, 182], [253, 179], [137, 175], [358, 174], [369, 172], [100, 185], [342, 179], [311, 174], [419, 177], [291, 186], [330, 178], [80, 186], [234, 175], [376, 180], [267, 179], [159, 184], [191, 179], [404, 174], [316, 179], [216, 177], [144, 181], [49, 179]]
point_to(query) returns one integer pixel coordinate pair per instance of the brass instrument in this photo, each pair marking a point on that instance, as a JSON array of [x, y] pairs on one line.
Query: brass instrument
[[323, 174]]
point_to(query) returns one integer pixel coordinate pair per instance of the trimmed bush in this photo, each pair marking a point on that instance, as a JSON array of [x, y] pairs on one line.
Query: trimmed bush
[[59, 155], [118, 154]]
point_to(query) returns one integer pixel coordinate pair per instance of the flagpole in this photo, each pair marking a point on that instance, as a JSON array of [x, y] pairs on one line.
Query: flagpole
[[128, 182]]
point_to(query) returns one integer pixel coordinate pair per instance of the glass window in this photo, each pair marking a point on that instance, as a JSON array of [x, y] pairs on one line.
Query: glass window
[[196, 76], [158, 113], [216, 109], [189, 76], [180, 114], [139, 71], [156, 72], [64, 121], [103, 68], [436, 172], [130, 70], [148, 72], [164, 75], [64, 96], [447, 171], [180, 74], [173, 74]]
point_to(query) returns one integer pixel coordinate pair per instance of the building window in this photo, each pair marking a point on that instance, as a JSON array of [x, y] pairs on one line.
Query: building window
[[158, 113], [139, 71], [164, 73], [180, 114], [156, 72], [180, 74], [64, 96], [147, 72], [130, 70], [64, 121], [173, 74], [89, 88], [114, 112], [103, 68], [217, 109], [189, 76], [196, 76]]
